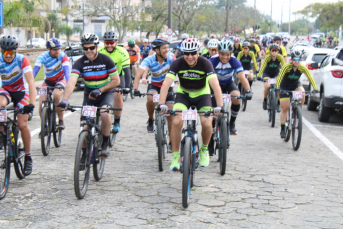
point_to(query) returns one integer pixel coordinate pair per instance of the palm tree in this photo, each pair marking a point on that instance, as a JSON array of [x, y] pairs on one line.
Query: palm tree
[[68, 31]]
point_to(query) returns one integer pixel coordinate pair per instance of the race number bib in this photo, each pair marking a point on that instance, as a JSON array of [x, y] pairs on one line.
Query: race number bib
[[156, 98], [297, 94], [3, 116], [272, 81], [42, 91], [226, 98], [189, 115], [89, 111], [246, 72]]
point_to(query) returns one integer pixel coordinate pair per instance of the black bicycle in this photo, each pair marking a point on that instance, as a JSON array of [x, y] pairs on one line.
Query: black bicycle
[[12, 151], [271, 101], [49, 123], [90, 140]]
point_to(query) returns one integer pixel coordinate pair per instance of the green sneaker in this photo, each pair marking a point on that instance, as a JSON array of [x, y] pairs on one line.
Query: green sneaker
[[175, 165], [204, 158]]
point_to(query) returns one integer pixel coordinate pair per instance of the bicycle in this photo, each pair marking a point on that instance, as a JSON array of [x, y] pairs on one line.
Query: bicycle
[[293, 123], [271, 101], [48, 120], [244, 101], [131, 91], [92, 139], [12, 150]]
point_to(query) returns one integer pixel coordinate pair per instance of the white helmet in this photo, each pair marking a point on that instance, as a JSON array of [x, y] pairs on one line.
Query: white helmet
[[190, 45], [145, 40], [213, 44], [184, 36]]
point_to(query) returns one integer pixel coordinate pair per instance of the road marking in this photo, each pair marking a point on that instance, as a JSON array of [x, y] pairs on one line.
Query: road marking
[[328, 126], [326, 141]]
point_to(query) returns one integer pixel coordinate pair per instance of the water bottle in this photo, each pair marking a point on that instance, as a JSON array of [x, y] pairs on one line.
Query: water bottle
[[12, 137]]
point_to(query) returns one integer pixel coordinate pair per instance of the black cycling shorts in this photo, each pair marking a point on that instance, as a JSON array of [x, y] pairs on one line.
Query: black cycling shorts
[[285, 96], [106, 98], [184, 102], [267, 75], [226, 89], [170, 98]]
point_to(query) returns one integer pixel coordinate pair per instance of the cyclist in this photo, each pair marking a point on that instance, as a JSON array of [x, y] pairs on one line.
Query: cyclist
[[264, 46], [134, 53], [237, 46], [246, 57], [255, 49], [100, 76], [213, 47], [205, 52], [18, 86], [283, 52], [145, 48], [196, 75], [285, 41], [225, 66], [56, 68], [121, 59], [270, 69], [178, 51], [288, 79], [159, 64]]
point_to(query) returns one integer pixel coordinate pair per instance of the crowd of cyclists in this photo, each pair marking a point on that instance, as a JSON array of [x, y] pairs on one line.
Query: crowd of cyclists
[[203, 69]]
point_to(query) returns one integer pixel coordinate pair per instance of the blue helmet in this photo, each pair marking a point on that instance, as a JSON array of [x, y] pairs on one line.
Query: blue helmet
[[53, 43], [158, 42]]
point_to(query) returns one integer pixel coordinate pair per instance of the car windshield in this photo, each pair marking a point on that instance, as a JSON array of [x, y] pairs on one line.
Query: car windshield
[[318, 57]]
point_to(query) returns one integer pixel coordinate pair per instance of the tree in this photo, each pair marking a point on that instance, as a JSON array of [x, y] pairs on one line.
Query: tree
[[11, 13], [68, 31], [54, 22]]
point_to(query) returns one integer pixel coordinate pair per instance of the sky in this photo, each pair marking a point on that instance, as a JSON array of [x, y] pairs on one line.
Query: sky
[[264, 7]]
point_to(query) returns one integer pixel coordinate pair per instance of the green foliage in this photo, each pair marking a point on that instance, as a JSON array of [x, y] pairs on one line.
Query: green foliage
[[68, 31], [12, 13], [299, 27]]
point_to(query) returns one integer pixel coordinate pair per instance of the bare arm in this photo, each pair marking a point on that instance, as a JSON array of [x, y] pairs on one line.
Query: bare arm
[[140, 72], [164, 89], [32, 87], [214, 83], [243, 80], [70, 87], [115, 81]]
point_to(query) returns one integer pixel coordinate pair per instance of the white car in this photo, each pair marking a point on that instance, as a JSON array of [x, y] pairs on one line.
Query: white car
[[302, 46], [328, 76], [36, 43]]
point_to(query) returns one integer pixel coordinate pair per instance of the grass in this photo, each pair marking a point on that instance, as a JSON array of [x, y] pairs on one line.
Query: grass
[[40, 74]]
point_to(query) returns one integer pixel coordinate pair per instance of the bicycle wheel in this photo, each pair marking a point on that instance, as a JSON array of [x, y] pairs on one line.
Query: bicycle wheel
[[243, 100], [98, 162], [223, 145], [187, 168], [125, 97], [5, 168], [113, 136], [160, 142], [272, 108], [132, 94], [288, 126], [45, 130], [19, 155], [56, 133], [296, 127], [82, 165]]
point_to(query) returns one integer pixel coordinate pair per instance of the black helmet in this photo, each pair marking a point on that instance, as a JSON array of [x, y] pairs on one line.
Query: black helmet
[[206, 41], [158, 42], [252, 40], [110, 36], [296, 53], [8, 42], [277, 38], [274, 46], [89, 38]]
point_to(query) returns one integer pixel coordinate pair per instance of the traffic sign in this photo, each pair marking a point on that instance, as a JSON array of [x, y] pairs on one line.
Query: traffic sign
[[1, 14], [169, 31]]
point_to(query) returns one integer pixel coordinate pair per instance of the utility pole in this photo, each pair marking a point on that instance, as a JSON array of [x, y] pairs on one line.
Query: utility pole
[[170, 18], [227, 17], [281, 17], [271, 12], [289, 24], [255, 16]]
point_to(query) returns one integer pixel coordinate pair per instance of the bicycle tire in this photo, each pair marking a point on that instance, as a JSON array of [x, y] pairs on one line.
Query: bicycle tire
[[45, 139], [223, 145], [287, 126], [19, 156], [243, 100], [159, 141], [56, 133], [187, 168], [272, 108], [132, 94], [112, 139], [125, 97], [80, 186], [99, 162], [5, 171], [296, 127]]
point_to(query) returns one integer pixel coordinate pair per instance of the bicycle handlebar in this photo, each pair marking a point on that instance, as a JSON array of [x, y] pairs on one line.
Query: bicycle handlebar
[[72, 108]]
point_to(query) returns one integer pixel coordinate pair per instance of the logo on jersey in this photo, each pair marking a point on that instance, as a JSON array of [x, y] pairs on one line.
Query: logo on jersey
[[54, 69], [86, 61], [191, 75], [293, 77], [6, 77], [273, 65]]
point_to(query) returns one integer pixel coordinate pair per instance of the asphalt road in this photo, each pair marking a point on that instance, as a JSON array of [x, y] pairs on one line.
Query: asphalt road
[[267, 184]]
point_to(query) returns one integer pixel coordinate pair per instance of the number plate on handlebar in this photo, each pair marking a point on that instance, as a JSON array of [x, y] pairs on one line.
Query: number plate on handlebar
[[3, 116], [226, 98], [42, 90], [297, 94], [89, 111], [189, 115], [272, 81], [156, 98]]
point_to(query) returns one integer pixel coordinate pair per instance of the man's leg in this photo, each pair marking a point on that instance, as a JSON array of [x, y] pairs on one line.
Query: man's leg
[[235, 106], [175, 136], [58, 96], [150, 106]]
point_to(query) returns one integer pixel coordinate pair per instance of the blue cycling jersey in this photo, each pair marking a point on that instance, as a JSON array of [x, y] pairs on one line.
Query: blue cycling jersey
[[225, 71]]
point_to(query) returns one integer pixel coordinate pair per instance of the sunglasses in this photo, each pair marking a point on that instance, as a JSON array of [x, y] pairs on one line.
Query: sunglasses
[[190, 53], [91, 48], [109, 42], [274, 50], [296, 59], [246, 48], [214, 50], [8, 52]]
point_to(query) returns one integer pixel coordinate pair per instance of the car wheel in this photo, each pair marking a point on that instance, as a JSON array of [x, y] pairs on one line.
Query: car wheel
[[311, 105], [324, 112]]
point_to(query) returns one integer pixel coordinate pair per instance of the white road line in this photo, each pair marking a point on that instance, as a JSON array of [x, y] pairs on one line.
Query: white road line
[[326, 141], [328, 126]]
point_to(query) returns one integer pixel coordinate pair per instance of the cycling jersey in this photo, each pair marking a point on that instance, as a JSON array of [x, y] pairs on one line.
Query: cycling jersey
[[132, 52], [270, 66], [246, 60], [282, 50], [179, 48], [255, 49], [237, 50], [12, 74], [192, 81], [158, 71], [55, 69], [145, 50], [225, 71], [97, 73], [119, 56], [289, 79]]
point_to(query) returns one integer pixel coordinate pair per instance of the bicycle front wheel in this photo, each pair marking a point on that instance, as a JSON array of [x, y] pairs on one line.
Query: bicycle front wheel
[[160, 142], [187, 168], [223, 145], [45, 131], [98, 162], [243, 100], [18, 154], [272, 107], [5, 167], [57, 134], [288, 126], [296, 127], [132, 94], [82, 165], [125, 97]]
